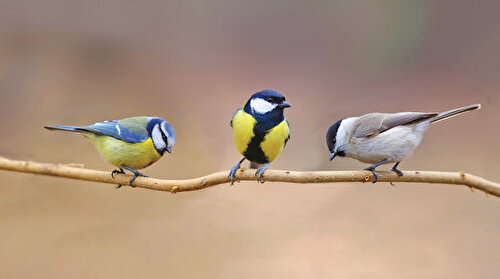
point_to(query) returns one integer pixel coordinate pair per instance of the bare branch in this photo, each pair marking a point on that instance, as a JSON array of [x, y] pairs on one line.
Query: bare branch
[[173, 186]]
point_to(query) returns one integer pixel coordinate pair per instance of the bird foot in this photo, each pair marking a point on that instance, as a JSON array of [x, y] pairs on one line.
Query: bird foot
[[260, 173], [375, 174], [136, 174], [398, 172], [115, 172], [233, 170]]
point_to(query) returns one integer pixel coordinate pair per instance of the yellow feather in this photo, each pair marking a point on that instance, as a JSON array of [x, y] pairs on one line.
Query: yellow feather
[[274, 141], [117, 152], [243, 124]]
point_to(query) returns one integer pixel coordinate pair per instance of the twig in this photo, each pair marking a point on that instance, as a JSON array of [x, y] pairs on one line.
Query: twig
[[173, 186]]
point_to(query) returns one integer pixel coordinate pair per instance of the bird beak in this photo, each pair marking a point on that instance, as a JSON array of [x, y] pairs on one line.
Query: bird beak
[[169, 149], [284, 104], [332, 155]]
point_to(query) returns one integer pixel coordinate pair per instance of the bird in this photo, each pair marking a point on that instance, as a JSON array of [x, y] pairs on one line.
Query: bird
[[260, 130], [383, 138], [131, 143]]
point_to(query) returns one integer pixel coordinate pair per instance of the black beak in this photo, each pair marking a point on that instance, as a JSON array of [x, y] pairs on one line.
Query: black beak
[[332, 155], [284, 104], [168, 149]]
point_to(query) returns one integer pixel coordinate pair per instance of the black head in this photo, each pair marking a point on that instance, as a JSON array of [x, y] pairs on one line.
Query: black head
[[331, 140], [266, 102]]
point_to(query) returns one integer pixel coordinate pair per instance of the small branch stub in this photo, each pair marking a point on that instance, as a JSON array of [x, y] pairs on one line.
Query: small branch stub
[[174, 189], [174, 186]]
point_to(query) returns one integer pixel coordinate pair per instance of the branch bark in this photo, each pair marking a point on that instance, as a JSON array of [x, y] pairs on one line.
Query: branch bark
[[173, 186]]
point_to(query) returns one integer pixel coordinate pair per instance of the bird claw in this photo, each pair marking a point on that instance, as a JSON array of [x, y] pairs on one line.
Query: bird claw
[[398, 172], [232, 172], [137, 174], [260, 173], [375, 174], [259, 178], [115, 172]]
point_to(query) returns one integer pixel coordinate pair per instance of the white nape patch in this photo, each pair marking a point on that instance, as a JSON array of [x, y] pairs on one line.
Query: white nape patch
[[261, 106], [157, 138], [342, 133], [171, 139], [118, 129]]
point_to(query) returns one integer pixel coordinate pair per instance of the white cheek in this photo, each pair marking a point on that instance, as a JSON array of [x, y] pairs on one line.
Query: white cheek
[[157, 138], [171, 138], [342, 140], [261, 106]]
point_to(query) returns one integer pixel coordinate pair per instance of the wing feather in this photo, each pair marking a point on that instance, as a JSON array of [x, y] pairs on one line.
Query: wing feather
[[114, 129], [372, 124], [137, 124]]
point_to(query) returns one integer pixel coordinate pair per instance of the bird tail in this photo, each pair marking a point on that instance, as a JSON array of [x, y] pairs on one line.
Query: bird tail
[[255, 165], [454, 112], [64, 128]]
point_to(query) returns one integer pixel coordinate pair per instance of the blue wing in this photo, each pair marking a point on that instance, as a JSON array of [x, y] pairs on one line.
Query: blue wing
[[115, 130]]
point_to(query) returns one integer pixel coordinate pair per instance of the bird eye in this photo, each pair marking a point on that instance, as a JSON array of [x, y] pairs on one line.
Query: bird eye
[[164, 138], [270, 100]]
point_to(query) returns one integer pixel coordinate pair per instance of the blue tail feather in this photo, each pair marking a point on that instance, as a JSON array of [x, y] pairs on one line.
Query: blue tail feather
[[64, 128]]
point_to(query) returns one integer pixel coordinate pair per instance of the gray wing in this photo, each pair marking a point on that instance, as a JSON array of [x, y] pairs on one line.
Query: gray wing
[[372, 124]]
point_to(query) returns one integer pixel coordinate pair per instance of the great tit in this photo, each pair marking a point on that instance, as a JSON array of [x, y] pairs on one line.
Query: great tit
[[382, 138], [260, 130], [131, 143]]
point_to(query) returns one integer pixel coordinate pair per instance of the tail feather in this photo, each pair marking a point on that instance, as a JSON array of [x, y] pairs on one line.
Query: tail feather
[[454, 112], [64, 128]]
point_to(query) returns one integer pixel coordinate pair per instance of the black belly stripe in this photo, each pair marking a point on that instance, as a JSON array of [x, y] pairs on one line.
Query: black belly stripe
[[254, 153], [264, 124]]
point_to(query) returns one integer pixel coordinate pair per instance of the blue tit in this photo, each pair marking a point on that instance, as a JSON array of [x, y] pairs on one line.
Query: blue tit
[[131, 143], [260, 130]]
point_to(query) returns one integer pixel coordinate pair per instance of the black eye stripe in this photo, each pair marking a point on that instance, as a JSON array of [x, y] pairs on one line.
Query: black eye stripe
[[275, 100], [163, 136]]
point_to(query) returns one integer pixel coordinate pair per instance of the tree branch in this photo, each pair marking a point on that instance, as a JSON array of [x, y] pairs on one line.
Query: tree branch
[[173, 186]]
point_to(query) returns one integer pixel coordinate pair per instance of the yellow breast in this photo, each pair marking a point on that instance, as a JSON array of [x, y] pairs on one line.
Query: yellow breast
[[243, 124], [117, 152], [274, 141]]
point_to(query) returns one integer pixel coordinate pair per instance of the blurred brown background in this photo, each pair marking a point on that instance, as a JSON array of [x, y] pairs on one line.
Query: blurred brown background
[[194, 63]]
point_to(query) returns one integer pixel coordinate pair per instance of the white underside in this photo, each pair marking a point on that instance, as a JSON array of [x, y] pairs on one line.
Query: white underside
[[395, 144]]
